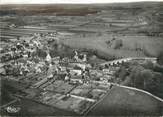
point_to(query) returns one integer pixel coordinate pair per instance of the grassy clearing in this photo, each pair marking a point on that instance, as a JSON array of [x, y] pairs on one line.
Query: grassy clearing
[[122, 101], [31, 108], [146, 46]]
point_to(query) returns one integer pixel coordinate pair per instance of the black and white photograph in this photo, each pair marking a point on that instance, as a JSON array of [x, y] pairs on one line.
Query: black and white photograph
[[81, 58]]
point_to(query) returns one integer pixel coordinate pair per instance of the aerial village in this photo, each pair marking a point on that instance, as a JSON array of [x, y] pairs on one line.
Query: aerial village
[[67, 83], [104, 63]]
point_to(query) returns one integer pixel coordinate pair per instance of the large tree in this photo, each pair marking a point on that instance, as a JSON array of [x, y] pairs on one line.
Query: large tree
[[160, 58]]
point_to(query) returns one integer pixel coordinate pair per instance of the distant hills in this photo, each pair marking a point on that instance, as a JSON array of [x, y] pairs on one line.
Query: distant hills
[[71, 9], [139, 25]]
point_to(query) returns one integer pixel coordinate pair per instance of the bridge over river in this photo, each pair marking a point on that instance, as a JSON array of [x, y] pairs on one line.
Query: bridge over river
[[123, 60]]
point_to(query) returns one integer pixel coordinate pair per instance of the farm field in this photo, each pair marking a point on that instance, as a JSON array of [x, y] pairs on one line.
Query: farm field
[[123, 101], [139, 27], [150, 46]]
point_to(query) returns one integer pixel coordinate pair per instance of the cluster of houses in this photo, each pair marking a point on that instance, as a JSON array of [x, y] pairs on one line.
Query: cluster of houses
[[20, 56], [21, 59]]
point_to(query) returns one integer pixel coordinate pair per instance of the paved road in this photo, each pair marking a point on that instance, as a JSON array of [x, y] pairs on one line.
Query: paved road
[[132, 88]]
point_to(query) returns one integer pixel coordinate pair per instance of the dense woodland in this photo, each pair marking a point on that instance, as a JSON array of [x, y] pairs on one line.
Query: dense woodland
[[147, 76]]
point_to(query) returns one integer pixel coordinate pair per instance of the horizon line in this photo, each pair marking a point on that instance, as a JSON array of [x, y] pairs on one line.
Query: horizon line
[[82, 3]]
